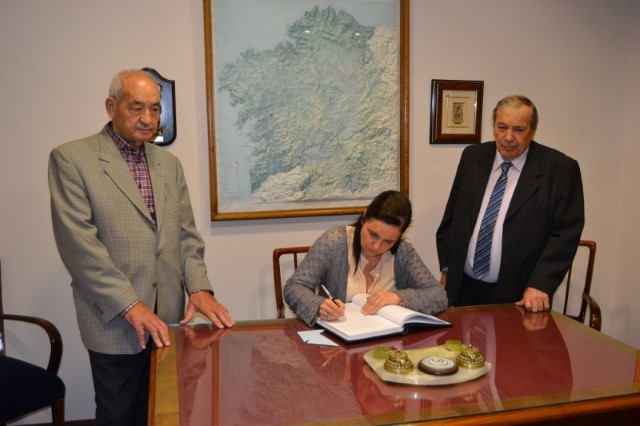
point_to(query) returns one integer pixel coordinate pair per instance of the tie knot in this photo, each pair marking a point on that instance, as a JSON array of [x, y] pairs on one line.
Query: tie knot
[[505, 166]]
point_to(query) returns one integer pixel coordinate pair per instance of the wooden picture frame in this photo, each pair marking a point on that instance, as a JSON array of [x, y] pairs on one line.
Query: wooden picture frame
[[456, 111], [322, 143]]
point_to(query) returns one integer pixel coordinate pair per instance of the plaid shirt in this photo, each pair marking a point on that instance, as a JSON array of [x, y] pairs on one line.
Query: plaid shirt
[[137, 162]]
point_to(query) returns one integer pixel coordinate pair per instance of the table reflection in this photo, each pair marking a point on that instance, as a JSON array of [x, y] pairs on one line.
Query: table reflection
[[262, 373]]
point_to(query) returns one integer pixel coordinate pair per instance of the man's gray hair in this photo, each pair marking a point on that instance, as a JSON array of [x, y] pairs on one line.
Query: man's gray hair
[[115, 88]]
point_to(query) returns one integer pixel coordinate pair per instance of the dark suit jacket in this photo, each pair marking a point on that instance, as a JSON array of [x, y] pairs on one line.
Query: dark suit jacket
[[541, 230]]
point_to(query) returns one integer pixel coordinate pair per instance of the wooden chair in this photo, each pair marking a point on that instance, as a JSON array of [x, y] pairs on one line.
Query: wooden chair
[[595, 318], [25, 387], [277, 274]]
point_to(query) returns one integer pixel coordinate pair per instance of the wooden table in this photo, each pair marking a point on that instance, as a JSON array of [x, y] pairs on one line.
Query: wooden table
[[545, 368]]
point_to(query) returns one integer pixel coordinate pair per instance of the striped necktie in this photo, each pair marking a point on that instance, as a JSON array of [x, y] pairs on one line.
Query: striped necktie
[[482, 257]]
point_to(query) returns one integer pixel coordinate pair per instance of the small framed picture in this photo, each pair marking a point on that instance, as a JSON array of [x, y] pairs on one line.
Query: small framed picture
[[456, 111]]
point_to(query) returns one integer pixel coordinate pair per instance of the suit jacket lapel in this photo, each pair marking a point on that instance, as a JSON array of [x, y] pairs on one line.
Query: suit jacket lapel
[[528, 182], [118, 171], [157, 180], [482, 171]]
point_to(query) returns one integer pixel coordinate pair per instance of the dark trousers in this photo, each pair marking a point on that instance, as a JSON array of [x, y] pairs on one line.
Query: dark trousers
[[121, 384], [474, 292]]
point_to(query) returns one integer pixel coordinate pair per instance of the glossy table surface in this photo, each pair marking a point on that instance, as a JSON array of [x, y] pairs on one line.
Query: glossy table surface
[[544, 366]]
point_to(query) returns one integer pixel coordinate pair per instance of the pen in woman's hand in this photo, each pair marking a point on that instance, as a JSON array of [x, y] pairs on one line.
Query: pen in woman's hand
[[327, 292], [335, 301]]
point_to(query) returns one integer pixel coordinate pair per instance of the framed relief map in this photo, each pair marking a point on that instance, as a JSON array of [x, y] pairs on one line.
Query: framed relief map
[[307, 105]]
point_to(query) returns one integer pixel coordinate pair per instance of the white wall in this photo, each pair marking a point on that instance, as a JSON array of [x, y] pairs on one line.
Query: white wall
[[623, 315], [577, 59]]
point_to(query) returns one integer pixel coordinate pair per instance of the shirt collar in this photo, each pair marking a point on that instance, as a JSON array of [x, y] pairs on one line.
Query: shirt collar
[[123, 146], [518, 163]]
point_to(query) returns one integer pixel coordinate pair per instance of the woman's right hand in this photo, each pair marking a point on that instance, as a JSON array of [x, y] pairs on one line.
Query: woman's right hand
[[331, 310]]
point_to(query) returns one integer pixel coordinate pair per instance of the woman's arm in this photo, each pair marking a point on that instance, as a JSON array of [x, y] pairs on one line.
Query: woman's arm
[[324, 264], [415, 283]]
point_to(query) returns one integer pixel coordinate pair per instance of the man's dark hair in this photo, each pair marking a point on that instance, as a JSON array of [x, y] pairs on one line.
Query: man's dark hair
[[516, 101], [390, 207]]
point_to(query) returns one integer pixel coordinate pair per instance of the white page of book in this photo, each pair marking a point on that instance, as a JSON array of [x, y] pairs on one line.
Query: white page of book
[[395, 313], [357, 325]]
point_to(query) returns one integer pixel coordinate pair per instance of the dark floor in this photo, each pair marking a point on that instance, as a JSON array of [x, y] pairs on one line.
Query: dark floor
[[88, 422]]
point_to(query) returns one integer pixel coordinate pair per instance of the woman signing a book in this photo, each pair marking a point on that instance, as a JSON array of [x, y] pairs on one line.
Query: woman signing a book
[[370, 257]]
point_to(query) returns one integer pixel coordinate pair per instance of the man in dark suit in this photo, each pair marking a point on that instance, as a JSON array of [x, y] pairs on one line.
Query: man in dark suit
[[527, 246]]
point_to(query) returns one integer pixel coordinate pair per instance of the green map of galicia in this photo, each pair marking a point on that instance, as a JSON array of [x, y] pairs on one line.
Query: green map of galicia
[[319, 109]]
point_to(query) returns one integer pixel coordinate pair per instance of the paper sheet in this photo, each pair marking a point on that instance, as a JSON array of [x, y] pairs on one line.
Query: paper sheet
[[315, 337]]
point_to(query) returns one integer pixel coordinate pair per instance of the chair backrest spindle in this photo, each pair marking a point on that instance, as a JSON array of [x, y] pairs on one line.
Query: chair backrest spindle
[[587, 302], [277, 272]]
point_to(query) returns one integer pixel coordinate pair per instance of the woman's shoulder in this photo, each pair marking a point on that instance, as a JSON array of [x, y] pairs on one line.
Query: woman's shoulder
[[328, 247], [406, 253], [405, 247], [332, 235]]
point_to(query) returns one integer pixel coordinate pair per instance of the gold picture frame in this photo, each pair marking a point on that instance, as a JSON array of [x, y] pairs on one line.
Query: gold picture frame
[[456, 111], [226, 182]]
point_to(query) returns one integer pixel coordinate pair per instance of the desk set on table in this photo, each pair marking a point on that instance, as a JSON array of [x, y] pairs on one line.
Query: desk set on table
[[545, 368]]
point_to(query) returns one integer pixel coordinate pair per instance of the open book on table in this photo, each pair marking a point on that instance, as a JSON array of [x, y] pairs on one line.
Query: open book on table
[[390, 319]]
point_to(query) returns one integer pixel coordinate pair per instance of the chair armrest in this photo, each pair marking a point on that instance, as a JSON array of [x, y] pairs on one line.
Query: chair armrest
[[595, 318], [55, 339]]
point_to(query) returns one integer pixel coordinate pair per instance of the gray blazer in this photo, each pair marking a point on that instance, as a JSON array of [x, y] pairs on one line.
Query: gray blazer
[[327, 263], [111, 246]]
